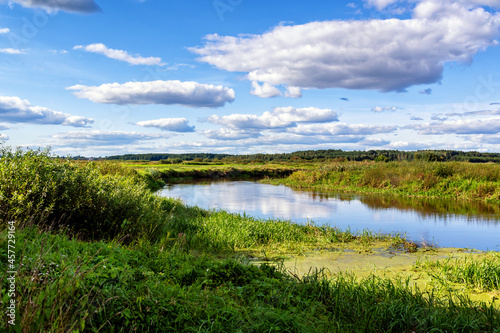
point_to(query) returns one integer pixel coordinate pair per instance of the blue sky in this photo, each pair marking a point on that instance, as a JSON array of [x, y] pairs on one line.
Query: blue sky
[[98, 78]]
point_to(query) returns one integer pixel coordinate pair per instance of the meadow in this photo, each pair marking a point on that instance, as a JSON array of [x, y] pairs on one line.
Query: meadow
[[98, 251]]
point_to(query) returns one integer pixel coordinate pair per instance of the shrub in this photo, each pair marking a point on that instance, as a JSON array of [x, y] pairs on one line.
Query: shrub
[[35, 186]]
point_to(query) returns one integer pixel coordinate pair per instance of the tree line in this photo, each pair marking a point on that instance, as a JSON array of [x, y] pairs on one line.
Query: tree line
[[316, 156]]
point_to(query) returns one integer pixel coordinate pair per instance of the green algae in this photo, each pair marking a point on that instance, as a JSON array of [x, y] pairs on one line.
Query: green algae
[[388, 262]]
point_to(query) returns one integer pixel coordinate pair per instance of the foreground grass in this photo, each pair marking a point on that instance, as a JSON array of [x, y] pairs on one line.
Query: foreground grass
[[69, 285], [155, 265], [454, 180]]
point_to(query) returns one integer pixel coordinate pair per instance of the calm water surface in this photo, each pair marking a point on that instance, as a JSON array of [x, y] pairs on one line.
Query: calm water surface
[[444, 223]]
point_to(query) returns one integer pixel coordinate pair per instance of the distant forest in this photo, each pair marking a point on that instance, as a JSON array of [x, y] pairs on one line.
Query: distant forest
[[315, 156]]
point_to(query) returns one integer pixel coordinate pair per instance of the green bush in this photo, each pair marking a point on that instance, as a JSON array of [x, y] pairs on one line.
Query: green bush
[[35, 186]]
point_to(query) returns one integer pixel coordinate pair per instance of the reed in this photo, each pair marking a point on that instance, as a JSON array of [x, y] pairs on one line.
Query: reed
[[456, 180]]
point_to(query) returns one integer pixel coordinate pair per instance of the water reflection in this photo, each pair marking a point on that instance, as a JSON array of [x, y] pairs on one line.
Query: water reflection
[[442, 222], [475, 211]]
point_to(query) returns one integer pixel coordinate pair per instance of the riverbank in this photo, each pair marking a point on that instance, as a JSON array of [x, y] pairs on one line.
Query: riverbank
[[97, 251], [421, 179], [447, 180]]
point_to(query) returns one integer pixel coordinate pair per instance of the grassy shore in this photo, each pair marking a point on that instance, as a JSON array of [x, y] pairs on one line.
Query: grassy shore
[[454, 180], [97, 251]]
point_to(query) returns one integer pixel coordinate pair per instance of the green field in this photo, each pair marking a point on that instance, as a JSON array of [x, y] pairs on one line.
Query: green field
[[98, 251]]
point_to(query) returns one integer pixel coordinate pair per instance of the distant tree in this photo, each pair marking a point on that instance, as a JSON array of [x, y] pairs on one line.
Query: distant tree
[[382, 158]]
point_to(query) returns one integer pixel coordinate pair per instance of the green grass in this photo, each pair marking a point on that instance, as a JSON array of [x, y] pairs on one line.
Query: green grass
[[477, 273], [96, 251], [456, 180]]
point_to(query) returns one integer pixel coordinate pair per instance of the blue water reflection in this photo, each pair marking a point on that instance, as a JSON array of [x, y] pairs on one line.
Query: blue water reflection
[[444, 223]]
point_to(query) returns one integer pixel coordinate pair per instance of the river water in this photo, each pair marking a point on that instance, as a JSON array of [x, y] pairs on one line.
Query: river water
[[444, 223]]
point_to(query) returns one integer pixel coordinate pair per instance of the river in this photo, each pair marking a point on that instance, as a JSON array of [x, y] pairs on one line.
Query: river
[[443, 223]]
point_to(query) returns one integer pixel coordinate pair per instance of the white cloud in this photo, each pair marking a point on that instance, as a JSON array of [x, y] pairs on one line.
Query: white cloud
[[488, 139], [120, 55], [380, 4], [157, 92], [103, 138], [265, 90], [3, 137], [384, 55], [4, 31], [374, 142], [280, 117], [17, 110], [76, 6], [462, 126], [341, 129], [404, 145], [12, 51], [168, 124], [475, 113], [230, 134], [249, 139], [4, 127], [294, 92], [385, 108], [439, 117]]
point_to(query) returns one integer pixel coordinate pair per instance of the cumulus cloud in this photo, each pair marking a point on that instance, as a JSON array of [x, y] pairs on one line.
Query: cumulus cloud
[[439, 117], [374, 142], [103, 138], [4, 31], [385, 108], [265, 90], [188, 93], [385, 55], [4, 137], [12, 51], [294, 92], [249, 141], [341, 129], [405, 145], [488, 139], [168, 124], [475, 113], [461, 126], [17, 110], [76, 6], [280, 117], [380, 4], [121, 55], [230, 134]]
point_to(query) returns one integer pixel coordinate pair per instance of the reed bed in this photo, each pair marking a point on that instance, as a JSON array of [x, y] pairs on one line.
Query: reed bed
[[456, 180]]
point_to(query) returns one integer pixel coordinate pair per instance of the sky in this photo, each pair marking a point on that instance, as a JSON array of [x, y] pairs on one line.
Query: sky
[[99, 78]]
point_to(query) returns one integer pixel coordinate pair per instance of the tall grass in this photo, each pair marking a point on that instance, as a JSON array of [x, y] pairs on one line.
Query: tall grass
[[66, 285], [458, 180], [482, 274]]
